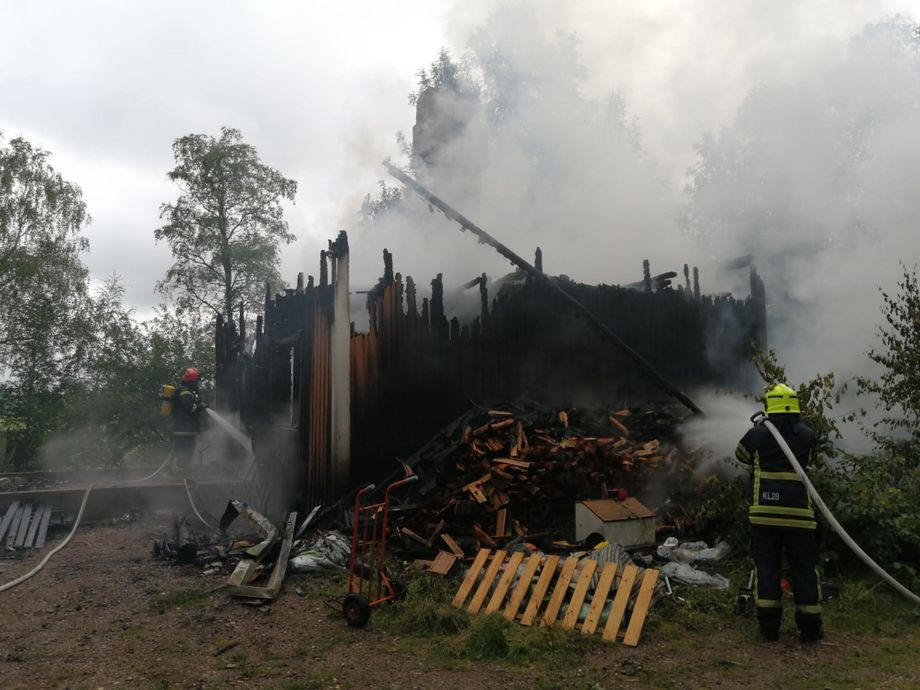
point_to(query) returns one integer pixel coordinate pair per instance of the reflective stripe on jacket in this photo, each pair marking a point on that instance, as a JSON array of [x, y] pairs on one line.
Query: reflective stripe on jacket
[[778, 496]]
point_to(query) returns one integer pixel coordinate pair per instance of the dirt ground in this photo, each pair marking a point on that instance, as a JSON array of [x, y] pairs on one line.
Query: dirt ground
[[105, 614]]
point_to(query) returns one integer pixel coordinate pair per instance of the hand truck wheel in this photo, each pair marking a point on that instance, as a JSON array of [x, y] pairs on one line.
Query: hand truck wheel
[[357, 610]]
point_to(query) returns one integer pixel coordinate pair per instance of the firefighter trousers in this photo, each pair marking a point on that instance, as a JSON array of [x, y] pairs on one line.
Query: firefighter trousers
[[801, 546], [183, 449]]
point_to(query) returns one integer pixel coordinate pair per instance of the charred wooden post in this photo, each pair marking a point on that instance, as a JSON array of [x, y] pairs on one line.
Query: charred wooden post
[[646, 275], [759, 302], [340, 374], [538, 259], [641, 363], [696, 283]]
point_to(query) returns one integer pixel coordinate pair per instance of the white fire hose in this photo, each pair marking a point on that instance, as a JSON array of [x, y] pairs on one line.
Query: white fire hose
[[825, 511]]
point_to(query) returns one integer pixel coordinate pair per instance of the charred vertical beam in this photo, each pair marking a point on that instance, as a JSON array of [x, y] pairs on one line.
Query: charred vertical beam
[[646, 275], [484, 298], [387, 267], [411, 307], [538, 259], [323, 269], [642, 364], [759, 304], [696, 283], [300, 283]]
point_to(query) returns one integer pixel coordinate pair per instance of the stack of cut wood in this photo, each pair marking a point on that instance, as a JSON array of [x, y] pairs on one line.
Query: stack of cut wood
[[511, 470]]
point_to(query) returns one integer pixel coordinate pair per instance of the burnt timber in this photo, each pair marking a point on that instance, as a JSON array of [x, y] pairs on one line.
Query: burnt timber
[[329, 407]]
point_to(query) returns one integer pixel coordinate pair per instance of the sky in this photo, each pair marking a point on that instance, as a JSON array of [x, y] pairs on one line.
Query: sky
[[320, 88]]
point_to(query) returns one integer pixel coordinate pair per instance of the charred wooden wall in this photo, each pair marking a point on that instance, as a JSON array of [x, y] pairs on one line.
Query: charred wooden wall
[[416, 368]]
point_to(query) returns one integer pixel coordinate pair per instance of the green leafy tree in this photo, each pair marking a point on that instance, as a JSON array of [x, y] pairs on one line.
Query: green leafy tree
[[45, 324], [898, 389], [227, 226]]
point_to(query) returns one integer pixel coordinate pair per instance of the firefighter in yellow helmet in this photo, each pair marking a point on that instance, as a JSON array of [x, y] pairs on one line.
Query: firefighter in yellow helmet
[[782, 517]]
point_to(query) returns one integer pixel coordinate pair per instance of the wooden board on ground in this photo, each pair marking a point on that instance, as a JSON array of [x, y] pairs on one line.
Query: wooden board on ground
[[470, 578], [23, 525], [578, 596], [486, 583], [599, 599], [562, 586], [43, 529], [624, 590], [546, 576], [498, 596], [14, 527], [640, 608], [8, 518], [442, 563], [522, 586], [37, 517]]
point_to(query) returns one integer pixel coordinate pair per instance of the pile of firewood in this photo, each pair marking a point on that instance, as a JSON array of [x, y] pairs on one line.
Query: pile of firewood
[[515, 470]]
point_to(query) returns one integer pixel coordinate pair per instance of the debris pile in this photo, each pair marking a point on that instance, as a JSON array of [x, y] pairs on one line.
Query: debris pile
[[516, 469]]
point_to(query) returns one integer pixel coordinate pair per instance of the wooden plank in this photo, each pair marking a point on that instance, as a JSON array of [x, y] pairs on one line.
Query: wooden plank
[[451, 544], [486, 583], [624, 590], [276, 579], [437, 531], [484, 538], [498, 596], [37, 517], [23, 525], [546, 576], [244, 572], [511, 462], [470, 578], [43, 529], [522, 586], [599, 599], [578, 596], [14, 527], [640, 608], [8, 518], [562, 586], [412, 535], [501, 522]]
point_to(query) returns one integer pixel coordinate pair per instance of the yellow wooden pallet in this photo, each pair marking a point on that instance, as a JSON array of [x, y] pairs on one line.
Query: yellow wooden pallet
[[496, 572]]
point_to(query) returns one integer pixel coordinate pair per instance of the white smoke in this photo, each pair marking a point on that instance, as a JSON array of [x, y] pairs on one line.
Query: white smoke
[[807, 140]]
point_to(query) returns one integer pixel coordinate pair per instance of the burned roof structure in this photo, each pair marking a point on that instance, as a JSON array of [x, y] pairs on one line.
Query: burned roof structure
[[329, 407]]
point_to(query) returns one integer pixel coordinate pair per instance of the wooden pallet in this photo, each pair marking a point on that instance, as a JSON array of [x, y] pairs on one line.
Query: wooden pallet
[[495, 572]]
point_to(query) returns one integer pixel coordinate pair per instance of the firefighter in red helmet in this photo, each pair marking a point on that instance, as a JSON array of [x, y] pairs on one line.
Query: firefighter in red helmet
[[187, 407]]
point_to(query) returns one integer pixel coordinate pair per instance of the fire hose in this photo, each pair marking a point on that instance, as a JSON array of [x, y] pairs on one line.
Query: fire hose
[[825, 511]]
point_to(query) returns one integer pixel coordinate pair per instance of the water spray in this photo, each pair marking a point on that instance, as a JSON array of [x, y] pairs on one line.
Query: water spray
[[761, 418]]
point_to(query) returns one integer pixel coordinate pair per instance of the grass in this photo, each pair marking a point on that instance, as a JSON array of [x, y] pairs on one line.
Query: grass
[[875, 630]]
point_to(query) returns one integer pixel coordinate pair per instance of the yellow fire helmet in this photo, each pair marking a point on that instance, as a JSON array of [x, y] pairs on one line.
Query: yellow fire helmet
[[781, 399]]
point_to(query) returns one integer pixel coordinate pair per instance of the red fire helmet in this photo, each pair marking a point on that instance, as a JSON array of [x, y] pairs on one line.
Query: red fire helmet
[[191, 374]]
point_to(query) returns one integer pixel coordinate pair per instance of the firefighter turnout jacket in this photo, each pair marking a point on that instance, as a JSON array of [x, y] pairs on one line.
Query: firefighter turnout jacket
[[187, 406], [779, 497]]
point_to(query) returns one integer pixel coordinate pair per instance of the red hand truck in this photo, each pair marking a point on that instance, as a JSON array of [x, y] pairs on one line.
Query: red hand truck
[[368, 584]]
